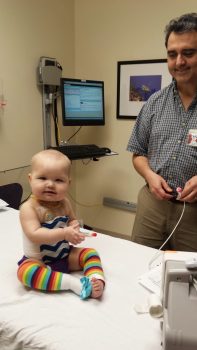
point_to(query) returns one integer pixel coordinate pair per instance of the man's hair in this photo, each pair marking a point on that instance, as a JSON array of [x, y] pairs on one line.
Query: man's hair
[[183, 24]]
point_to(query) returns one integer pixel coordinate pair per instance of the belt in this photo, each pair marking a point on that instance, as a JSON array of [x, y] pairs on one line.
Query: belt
[[174, 200]]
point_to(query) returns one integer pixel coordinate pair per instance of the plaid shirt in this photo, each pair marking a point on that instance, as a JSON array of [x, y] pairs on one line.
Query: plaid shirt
[[161, 133]]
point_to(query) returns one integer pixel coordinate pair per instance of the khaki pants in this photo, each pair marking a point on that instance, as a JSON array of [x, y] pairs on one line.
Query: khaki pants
[[155, 220]]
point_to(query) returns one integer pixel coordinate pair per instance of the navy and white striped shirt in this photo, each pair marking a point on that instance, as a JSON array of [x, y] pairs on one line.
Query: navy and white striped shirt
[[161, 133]]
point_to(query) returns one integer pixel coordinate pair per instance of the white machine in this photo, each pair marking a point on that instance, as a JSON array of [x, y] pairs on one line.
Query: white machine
[[49, 73], [179, 289]]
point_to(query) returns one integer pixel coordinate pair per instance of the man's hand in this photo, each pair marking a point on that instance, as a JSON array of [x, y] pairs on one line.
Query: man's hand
[[189, 193], [159, 187]]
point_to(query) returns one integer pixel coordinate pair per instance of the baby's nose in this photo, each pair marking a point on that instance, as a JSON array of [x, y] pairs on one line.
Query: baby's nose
[[50, 183]]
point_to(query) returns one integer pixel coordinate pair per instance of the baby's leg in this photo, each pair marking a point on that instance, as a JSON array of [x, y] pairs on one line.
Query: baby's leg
[[91, 264], [35, 275]]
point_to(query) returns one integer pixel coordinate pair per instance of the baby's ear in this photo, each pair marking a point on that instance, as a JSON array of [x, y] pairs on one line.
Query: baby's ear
[[29, 177]]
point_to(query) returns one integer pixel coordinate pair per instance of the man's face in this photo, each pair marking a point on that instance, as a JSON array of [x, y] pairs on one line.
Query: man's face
[[182, 57]]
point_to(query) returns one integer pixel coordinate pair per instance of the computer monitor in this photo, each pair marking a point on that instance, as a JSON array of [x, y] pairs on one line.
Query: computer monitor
[[82, 102]]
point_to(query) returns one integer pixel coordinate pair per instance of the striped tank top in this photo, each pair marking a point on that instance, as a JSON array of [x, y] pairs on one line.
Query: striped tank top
[[53, 252]]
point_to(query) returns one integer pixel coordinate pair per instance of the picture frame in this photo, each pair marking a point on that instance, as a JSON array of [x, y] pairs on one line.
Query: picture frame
[[136, 82]]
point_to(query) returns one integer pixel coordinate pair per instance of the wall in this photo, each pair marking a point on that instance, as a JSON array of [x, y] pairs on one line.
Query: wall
[[87, 37], [29, 30], [107, 32]]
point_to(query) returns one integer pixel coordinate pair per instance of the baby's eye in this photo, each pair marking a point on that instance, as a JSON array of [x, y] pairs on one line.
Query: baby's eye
[[41, 178], [59, 180]]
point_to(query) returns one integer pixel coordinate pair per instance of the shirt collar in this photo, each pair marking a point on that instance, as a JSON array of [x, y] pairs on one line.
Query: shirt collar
[[175, 91]]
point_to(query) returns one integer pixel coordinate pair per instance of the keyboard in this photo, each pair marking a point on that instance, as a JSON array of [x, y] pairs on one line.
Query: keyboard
[[82, 151]]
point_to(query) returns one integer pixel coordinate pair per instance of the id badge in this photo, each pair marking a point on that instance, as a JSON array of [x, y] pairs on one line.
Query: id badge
[[192, 138]]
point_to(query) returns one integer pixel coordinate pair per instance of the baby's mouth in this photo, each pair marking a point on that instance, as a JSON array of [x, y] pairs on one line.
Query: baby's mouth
[[49, 192]]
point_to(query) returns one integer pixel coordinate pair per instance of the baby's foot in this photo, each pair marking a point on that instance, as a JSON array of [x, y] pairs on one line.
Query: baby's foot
[[97, 288]]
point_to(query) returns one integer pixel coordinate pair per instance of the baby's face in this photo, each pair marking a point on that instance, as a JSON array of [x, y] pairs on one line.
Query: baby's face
[[49, 181]]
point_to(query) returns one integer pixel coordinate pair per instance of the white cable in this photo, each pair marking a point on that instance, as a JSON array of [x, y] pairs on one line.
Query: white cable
[[159, 250]]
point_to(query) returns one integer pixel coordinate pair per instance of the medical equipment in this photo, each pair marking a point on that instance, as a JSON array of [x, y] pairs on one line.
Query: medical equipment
[[49, 71], [179, 298]]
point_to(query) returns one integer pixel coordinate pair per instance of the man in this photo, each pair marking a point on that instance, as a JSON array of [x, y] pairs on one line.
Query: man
[[164, 148]]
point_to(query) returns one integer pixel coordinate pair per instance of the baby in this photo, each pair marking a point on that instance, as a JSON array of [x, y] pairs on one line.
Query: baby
[[51, 233]]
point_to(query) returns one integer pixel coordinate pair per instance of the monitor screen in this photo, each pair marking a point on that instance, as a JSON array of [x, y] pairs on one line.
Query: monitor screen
[[82, 102]]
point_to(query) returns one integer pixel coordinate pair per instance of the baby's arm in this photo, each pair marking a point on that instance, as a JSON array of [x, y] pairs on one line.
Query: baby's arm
[[69, 211], [36, 233]]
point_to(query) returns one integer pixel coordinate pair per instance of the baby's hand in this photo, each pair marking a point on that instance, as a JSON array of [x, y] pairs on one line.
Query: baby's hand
[[74, 223], [73, 235]]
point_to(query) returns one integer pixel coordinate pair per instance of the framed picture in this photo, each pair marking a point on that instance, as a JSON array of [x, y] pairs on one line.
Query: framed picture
[[136, 82]]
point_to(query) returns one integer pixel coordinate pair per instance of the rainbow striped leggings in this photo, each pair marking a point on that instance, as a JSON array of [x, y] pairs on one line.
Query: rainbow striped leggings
[[34, 274]]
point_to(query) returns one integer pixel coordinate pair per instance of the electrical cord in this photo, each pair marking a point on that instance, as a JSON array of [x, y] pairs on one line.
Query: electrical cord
[[55, 117], [74, 134], [159, 250]]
